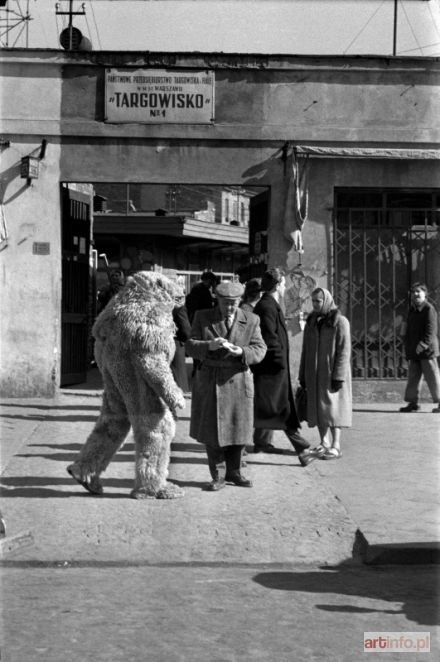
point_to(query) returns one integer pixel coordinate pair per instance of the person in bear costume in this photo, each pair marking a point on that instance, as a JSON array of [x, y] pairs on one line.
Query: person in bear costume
[[134, 345]]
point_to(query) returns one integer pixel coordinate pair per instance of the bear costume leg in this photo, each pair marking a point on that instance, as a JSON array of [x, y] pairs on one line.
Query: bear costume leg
[[104, 441], [152, 437]]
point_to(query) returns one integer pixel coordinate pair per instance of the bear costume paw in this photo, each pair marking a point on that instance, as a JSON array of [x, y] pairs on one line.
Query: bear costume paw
[[170, 491], [89, 481]]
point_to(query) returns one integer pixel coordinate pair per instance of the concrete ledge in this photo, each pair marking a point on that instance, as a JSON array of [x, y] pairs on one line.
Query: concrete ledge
[[411, 553], [383, 390]]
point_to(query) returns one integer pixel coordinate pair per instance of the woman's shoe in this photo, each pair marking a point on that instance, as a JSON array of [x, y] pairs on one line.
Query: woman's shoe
[[332, 454]]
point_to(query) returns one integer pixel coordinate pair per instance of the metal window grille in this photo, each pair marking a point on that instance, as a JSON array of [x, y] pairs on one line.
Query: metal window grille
[[378, 253]]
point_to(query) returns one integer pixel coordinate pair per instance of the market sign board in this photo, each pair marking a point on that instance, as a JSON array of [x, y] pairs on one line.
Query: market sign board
[[159, 96]]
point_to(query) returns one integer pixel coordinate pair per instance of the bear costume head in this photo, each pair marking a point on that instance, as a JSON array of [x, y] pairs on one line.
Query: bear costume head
[[140, 314]]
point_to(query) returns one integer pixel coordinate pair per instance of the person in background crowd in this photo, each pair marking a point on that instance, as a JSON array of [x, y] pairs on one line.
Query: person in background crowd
[[183, 332], [421, 349], [325, 373], [252, 294], [117, 282], [226, 341], [274, 402], [201, 295]]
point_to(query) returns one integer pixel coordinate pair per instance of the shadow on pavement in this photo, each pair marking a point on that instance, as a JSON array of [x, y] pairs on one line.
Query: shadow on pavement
[[119, 457], [385, 411], [416, 590], [374, 411], [50, 407], [40, 487], [187, 448], [74, 418]]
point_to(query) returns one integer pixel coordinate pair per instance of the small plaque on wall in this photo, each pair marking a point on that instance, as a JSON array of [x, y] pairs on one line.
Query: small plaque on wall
[[41, 248]]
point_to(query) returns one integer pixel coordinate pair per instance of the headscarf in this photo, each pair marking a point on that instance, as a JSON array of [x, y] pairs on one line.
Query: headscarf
[[328, 304]]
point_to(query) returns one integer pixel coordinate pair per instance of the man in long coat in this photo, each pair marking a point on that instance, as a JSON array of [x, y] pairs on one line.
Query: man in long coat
[[274, 403], [226, 341]]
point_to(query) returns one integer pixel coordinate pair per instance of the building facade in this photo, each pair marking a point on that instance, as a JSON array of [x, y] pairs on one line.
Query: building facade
[[344, 153]]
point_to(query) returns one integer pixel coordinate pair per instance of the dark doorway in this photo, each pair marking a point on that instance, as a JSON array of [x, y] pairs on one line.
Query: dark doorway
[[76, 229]]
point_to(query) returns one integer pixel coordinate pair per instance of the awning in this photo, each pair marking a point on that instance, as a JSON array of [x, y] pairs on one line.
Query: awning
[[170, 226], [368, 152]]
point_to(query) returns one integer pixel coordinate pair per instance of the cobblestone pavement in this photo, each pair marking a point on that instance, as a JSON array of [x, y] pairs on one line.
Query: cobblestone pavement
[[220, 614], [268, 573]]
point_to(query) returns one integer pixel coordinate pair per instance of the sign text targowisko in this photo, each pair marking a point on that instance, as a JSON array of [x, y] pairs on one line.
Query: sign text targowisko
[[159, 95]]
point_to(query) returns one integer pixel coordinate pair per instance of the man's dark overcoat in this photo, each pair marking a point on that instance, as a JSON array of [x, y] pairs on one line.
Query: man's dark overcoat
[[183, 332], [200, 298], [223, 389], [422, 327], [274, 403]]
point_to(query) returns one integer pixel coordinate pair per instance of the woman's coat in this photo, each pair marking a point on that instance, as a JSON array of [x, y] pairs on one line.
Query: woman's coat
[[326, 356], [274, 402], [223, 389]]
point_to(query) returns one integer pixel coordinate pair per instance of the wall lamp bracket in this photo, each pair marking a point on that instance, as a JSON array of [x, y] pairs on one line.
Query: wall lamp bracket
[[30, 165], [43, 149]]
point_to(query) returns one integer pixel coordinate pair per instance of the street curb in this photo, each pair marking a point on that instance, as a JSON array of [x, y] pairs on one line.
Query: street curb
[[403, 554], [415, 553]]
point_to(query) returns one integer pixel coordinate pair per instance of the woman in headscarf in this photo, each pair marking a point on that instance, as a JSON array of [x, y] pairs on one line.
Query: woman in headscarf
[[325, 373]]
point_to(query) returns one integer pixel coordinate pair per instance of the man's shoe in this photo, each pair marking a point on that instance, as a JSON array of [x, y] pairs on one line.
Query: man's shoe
[[268, 448], [436, 410], [236, 478], [410, 407], [216, 485], [305, 458], [296, 439]]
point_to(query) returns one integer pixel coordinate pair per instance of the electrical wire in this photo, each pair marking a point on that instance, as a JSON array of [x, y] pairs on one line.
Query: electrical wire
[[96, 26], [41, 24], [360, 31], [18, 35], [411, 50], [434, 22], [88, 26], [410, 27]]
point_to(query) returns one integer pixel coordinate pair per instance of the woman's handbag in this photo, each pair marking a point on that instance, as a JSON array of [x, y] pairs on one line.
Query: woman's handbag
[[301, 403]]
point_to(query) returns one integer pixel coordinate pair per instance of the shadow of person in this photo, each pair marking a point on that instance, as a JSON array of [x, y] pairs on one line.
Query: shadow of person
[[416, 587]]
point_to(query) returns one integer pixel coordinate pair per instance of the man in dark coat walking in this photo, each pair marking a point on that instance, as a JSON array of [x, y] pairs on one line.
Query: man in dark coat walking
[[274, 403]]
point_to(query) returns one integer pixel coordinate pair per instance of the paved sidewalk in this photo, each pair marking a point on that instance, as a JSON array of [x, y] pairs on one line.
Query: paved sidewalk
[[385, 487]]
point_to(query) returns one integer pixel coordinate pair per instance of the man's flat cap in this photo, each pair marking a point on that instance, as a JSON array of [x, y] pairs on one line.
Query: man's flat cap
[[230, 290]]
